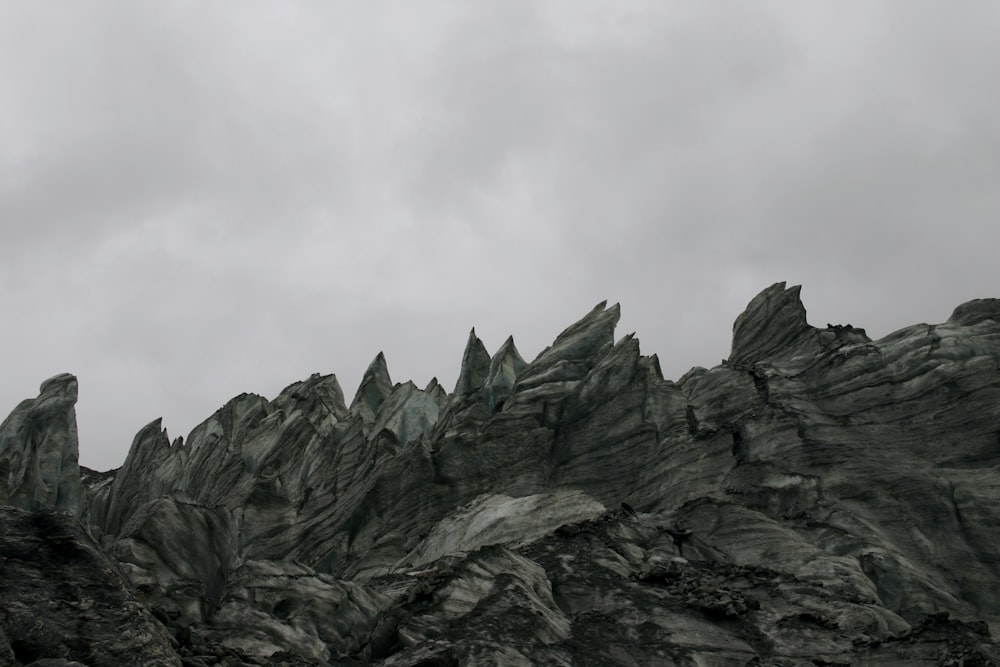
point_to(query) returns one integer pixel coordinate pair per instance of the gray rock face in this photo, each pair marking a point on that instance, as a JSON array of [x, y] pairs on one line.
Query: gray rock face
[[505, 366], [375, 388], [774, 322], [818, 498], [269, 606], [39, 449], [475, 366]]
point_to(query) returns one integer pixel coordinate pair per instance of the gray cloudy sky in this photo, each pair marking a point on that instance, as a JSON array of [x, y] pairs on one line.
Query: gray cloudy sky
[[200, 199]]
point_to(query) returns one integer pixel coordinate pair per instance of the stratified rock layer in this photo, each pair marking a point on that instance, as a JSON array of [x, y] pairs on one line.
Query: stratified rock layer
[[819, 497]]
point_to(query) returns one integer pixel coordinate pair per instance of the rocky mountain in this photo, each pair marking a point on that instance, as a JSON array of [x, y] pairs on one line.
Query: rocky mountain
[[818, 498]]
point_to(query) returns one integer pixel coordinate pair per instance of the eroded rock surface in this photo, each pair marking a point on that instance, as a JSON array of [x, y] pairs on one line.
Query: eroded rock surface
[[39, 449], [818, 498], [65, 599]]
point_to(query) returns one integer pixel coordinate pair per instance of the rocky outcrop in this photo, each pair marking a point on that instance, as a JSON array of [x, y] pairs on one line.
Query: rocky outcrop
[[774, 322], [475, 366], [818, 497], [39, 450], [505, 366], [499, 519], [375, 388], [269, 607]]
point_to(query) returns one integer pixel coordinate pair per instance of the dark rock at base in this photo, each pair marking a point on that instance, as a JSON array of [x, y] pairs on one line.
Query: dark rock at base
[[64, 599]]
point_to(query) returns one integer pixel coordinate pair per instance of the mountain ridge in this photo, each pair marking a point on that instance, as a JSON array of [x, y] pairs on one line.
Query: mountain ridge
[[817, 496]]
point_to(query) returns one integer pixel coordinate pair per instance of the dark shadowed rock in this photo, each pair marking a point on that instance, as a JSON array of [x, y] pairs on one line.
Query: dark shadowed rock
[[819, 498], [270, 607], [64, 599]]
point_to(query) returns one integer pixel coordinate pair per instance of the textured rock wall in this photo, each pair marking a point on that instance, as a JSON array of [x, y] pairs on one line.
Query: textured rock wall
[[819, 496], [39, 449], [64, 598]]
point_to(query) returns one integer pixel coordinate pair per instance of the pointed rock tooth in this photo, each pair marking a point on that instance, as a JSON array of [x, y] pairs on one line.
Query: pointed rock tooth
[[375, 387], [475, 366], [505, 366], [577, 348], [774, 320]]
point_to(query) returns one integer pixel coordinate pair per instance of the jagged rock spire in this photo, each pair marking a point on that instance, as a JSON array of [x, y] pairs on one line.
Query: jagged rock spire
[[375, 387], [475, 366], [39, 449], [774, 320], [594, 332], [136, 482], [576, 349], [438, 392], [505, 366]]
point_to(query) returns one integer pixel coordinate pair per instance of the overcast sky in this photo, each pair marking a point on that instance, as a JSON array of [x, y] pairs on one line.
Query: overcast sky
[[202, 199]]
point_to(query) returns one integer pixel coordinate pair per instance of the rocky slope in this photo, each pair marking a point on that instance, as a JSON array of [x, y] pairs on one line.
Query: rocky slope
[[818, 498]]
